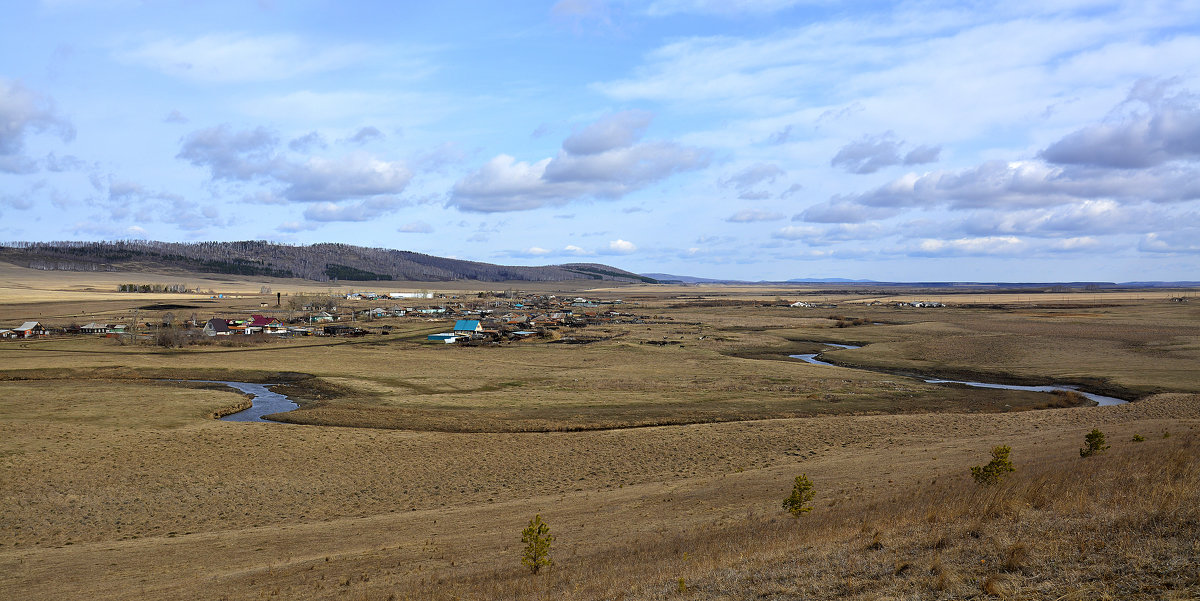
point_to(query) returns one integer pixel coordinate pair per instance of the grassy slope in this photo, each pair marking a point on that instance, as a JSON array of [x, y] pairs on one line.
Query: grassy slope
[[116, 488]]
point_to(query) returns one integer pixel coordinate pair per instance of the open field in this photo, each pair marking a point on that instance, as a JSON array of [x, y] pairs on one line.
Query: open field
[[659, 451]]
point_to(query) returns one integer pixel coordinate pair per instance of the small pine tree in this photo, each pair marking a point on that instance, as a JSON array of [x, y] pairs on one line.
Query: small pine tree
[[802, 494], [1095, 443], [537, 539], [995, 471]]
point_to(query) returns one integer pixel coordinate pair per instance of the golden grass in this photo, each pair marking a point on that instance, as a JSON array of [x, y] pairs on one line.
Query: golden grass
[[114, 487]]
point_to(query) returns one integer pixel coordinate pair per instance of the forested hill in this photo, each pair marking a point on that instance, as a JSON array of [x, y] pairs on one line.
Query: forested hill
[[320, 262]]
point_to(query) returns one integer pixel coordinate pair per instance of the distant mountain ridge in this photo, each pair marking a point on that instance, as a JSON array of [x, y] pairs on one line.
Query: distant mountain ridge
[[318, 262]]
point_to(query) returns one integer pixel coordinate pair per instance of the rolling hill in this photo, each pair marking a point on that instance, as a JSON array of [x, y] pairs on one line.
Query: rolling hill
[[317, 262]]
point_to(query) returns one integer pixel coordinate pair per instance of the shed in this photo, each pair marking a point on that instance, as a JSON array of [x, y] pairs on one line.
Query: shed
[[446, 337]]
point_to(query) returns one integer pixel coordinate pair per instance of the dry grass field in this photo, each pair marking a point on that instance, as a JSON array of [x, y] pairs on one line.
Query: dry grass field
[[412, 467]]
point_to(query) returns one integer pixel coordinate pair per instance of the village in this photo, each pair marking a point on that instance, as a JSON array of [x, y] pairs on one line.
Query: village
[[490, 317]]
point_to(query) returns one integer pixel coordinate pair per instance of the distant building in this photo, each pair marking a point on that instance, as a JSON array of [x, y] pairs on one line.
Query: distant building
[[30, 329], [217, 327], [94, 328], [467, 327]]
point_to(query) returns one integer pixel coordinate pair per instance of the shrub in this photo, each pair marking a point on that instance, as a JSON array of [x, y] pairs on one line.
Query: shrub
[[537, 539], [999, 467], [1138, 438], [802, 494], [1095, 443]]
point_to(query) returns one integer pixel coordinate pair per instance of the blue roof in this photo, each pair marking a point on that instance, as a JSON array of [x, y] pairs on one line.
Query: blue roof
[[466, 324]]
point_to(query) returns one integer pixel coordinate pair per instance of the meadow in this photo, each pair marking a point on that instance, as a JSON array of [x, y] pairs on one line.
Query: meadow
[[658, 454]]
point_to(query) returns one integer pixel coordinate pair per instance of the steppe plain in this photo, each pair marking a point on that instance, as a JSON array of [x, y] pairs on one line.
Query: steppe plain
[[658, 453]]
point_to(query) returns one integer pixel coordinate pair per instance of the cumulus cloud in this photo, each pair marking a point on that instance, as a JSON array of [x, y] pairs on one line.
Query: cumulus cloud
[[753, 215], [22, 112], [1167, 130], [602, 160], [231, 155], [620, 247], [618, 130], [319, 179], [253, 156], [1020, 184], [872, 153]]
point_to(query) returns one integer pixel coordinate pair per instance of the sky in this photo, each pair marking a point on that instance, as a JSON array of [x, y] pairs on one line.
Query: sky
[[1048, 140]]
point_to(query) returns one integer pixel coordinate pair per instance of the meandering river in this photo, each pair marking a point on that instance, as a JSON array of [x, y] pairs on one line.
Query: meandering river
[[264, 402], [1098, 398]]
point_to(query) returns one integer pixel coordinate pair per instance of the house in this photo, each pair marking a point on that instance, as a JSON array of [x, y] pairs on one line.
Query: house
[[261, 321], [446, 337], [30, 329], [217, 327], [322, 316], [467, 327], [94, 328]]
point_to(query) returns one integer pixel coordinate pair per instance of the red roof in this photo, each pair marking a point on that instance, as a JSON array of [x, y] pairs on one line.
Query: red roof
[[258, 321]]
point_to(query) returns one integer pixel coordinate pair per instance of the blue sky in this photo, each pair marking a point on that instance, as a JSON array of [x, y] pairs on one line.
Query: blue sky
[[748, 139]]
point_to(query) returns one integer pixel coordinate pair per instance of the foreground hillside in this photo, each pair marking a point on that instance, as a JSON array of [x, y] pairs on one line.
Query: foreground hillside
[[319, 262]]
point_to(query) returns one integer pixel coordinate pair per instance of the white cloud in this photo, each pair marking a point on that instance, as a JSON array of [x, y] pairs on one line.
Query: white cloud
[[753, 215], [620, 247], [1185, 241], [363, 210], [241, 57], [872, 153], [253, 155], [1169, 130], [1078, 244], [619, 130], [23, 111], [986, 246], [600, 161]]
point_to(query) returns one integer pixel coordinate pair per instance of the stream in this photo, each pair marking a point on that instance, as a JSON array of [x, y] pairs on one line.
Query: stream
[[1098, 398], [264, 402]]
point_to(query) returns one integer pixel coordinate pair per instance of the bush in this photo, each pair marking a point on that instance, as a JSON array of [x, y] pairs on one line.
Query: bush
[[802, 494], [1138, 438], [995, 471], [1095, 443], [537, 539]]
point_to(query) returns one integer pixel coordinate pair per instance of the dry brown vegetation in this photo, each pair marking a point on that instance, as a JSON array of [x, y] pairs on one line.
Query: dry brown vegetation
[[114, 485]]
